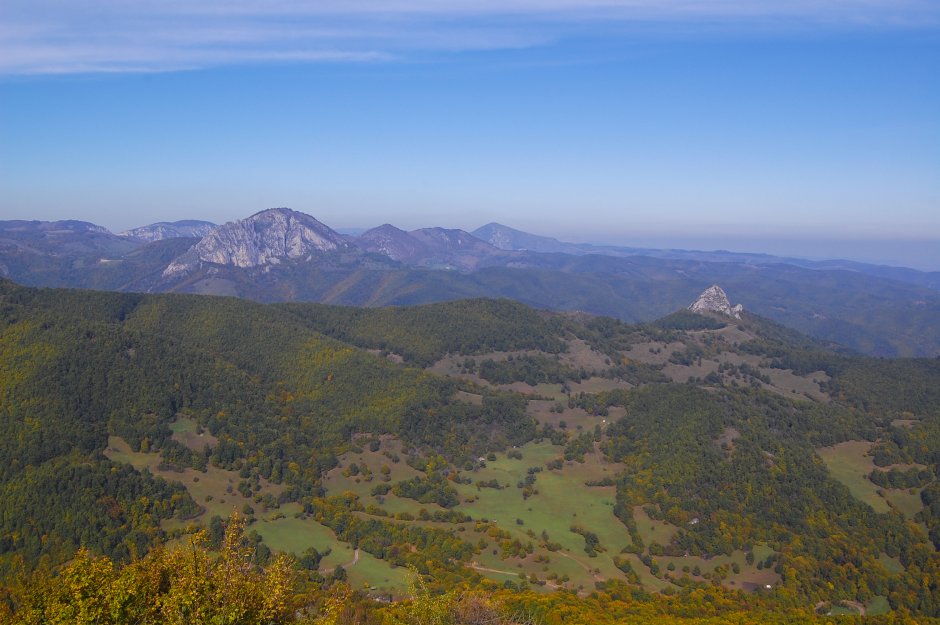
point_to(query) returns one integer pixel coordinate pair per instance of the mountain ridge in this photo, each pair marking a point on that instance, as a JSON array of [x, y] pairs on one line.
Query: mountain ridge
[[864, 308], [185, 228]]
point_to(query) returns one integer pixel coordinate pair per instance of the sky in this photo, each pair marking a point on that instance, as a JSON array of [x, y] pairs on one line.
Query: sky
[[805, 127]]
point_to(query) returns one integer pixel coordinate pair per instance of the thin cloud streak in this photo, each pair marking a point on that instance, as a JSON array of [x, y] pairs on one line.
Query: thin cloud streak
[[47, 36]]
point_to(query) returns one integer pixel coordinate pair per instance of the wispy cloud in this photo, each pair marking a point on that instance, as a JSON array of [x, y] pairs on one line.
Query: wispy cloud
[[53, 36]]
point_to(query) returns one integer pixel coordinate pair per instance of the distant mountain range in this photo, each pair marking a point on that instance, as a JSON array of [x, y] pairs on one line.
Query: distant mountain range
[[170, 230], [284, 255]]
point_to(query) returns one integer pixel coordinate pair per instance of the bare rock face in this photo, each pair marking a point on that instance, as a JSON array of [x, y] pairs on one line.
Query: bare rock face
[[714, 299], [265, 238]]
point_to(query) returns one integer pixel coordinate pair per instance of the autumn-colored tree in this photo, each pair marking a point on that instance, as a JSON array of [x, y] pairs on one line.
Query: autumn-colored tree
[[179, 586]]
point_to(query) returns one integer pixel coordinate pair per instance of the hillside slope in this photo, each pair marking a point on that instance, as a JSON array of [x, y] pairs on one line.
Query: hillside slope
[[576, 450]]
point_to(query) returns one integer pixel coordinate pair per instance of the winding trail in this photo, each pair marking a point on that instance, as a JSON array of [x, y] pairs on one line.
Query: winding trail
[[597, 578], [477, 567], [855, 604], [348, 564]]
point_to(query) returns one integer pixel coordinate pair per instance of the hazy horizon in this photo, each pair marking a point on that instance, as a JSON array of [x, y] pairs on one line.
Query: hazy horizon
[[802, 128], [920, 254]]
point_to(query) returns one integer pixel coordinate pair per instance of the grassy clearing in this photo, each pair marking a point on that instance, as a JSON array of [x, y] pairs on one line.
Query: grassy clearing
[[378, 576], [892, 565], [653, 352], [907, 501], [216, 490], [187, 432], [730, 333], [681, 373], [542, 390], [843, 610], [280, 528], [877, 606], [748, 577], [340, 479], [580, 355], [789, 383], [651, 530], [574, 418], [563, 500], [849, 463], [290, 534], [598, 385]]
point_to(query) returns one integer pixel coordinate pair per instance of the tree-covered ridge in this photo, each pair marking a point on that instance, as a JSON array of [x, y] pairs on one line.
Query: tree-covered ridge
[[423, 334]]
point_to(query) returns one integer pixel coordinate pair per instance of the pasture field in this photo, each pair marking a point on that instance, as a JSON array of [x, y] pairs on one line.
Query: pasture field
[[877, 606], [574, 418], [651, 530], [187, 432], [280, 528], [849, 463], [907, 501], [653, 352], [562, 502], [216, 490]]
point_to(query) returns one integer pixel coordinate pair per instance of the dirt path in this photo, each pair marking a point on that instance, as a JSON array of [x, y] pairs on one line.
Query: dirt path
[[477, 567], [858, 606], [597, 578], [598, 454], [348, 564], [854, 604]]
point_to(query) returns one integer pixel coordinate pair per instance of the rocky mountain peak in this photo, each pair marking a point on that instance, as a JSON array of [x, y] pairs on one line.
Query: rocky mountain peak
[[265, 238], [714, 299]]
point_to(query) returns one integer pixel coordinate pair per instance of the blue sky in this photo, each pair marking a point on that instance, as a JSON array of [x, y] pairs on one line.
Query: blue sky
[[797, 126]]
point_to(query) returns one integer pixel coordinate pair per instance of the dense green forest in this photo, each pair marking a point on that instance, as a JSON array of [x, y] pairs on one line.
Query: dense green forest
[[282, 400], [392, 429]]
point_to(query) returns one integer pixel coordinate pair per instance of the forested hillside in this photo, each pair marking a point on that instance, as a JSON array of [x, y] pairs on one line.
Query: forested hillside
[[558, 464], [80, 366]]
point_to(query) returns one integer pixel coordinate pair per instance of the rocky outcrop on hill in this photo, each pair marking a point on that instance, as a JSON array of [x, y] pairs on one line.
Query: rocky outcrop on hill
[[713, 299]]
